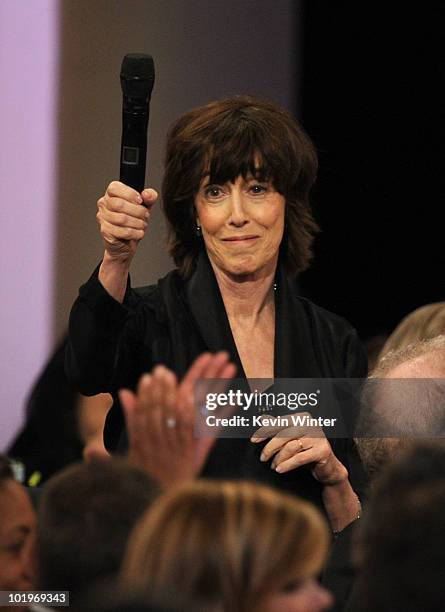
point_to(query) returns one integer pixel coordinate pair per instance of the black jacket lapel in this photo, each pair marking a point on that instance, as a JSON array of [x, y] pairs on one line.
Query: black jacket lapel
[[207, 309], [294, 356]]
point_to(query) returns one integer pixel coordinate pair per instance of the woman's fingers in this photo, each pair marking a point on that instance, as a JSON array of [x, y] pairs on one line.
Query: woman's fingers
[[207, 366], [274, 445], [294, 447], [295, 453], [134, 419], [116, 234], [123, 216], [149, 197], [160, 419], [170, 390], [195, 371], [166, 398], [123, 207], [280, 429], [122, 219], [228, 371], [186, 390], [160, 434], [120, 190], [128, 402], [217, 372], [191, 394], [276, 432], [143, 390], [296, 460], [215, 365]]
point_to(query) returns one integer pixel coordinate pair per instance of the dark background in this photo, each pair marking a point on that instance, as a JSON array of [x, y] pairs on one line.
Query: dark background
[[370, 99]]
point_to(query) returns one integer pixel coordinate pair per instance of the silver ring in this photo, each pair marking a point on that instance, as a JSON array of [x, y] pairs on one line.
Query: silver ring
[[170, 422]]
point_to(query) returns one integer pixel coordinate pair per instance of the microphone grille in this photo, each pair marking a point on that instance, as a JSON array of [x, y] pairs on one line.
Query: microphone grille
[[137, 75]]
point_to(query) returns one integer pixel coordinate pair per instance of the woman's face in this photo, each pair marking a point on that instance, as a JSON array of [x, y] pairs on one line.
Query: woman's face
[[17, 527], [305, 596], [242, 224]]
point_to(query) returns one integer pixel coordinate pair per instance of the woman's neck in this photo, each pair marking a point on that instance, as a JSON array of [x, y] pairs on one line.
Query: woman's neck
[[246, 297]]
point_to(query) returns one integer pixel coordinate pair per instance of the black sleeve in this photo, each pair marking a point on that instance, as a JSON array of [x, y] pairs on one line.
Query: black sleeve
[[104, 339]]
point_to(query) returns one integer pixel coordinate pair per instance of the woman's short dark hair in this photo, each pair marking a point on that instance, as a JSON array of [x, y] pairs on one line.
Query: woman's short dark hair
[[243, 136]]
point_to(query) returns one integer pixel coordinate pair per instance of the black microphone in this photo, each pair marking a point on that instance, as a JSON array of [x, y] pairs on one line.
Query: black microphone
[[137, 80]]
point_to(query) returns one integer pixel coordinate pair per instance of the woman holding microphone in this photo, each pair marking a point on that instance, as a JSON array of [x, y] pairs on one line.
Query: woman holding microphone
[[235, 194]]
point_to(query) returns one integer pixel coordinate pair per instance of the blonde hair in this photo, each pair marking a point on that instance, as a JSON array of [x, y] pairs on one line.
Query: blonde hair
[[232, 542], [423, 323]]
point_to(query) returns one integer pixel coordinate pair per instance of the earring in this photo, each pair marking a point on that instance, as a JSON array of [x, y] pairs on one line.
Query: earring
[[198, 230]]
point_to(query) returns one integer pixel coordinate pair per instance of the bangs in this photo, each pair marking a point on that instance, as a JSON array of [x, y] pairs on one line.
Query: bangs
[[244, 152]]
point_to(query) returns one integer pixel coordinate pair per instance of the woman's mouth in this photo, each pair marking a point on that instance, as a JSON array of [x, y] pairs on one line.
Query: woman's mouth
[[240, 239]]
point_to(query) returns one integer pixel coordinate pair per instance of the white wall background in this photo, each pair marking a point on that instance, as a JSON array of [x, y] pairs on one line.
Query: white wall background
[[28, 108]]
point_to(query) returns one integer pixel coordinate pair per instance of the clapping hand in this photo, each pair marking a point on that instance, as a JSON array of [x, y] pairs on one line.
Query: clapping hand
[[160, 419]]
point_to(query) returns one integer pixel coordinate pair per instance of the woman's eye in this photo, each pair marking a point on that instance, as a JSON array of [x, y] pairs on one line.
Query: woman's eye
[[213, 191], [258, 189]]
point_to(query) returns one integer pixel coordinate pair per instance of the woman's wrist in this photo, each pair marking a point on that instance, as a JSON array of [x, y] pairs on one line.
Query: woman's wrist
[[113, 275], [330, 472], [342, 504]]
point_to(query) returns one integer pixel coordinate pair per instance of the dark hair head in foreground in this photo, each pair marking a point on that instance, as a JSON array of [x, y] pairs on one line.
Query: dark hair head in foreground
[[86, 514], [240, 136], [401, 549], [17, 531], [231, 545]]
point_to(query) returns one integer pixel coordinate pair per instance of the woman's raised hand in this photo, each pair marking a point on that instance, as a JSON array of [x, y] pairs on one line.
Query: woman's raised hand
[[123, 215], [160, 418]]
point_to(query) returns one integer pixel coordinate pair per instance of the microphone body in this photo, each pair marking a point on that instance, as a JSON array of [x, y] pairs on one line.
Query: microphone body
[[137, 79]]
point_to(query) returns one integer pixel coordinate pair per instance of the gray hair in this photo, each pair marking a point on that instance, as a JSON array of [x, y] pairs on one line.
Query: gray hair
[[396, 412]]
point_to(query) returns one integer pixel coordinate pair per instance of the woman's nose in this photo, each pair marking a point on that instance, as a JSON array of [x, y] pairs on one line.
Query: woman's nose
[[238, 212]]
